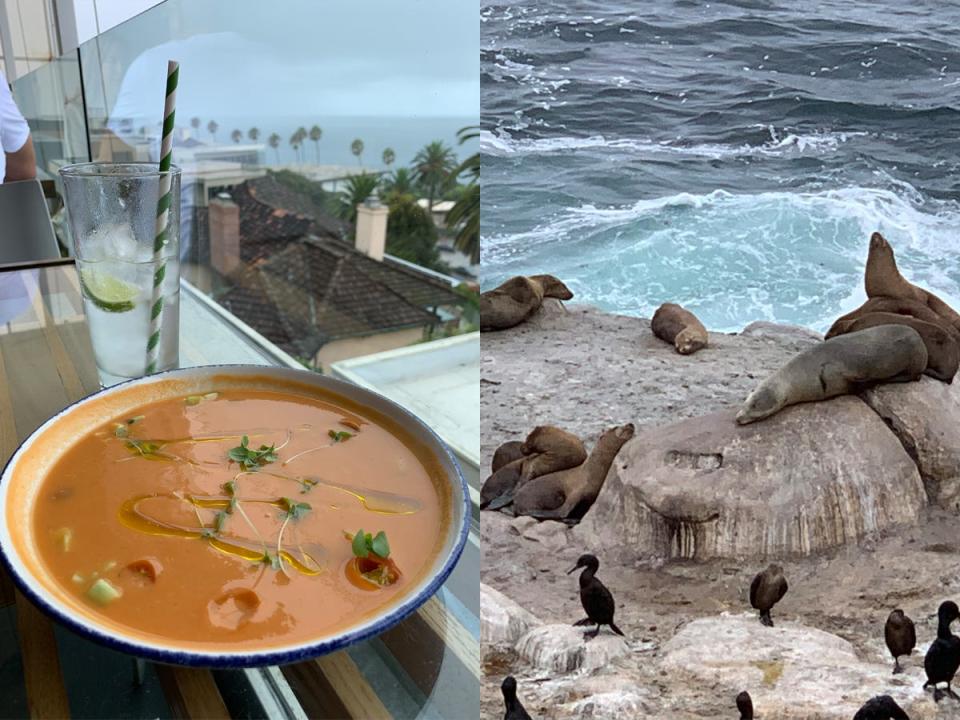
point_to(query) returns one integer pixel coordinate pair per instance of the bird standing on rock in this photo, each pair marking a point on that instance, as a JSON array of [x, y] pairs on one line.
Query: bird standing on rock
[[901, 637], [745, 705], [881, 707], [596, 599], [514, 708], [943, 656], [766, 590]]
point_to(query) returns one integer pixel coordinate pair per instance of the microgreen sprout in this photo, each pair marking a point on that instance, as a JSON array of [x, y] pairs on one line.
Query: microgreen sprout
[[364, 544], [340, 436], [248, 458]]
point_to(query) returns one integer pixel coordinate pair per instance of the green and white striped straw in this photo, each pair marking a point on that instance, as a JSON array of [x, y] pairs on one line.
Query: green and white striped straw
[[163, 216]]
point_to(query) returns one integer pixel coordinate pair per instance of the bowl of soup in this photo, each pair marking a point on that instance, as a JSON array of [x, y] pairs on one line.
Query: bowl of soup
[[232, 516]]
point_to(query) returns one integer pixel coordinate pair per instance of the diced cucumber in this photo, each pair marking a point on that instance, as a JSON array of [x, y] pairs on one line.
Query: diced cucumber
[[211, 396], [193, 400], [77, 578], [102, 592]]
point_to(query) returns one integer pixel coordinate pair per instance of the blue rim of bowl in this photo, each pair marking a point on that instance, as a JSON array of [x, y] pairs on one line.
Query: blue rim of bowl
[[262, 657]]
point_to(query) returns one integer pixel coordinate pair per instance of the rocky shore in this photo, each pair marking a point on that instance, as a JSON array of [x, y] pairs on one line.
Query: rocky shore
[[856, 497]]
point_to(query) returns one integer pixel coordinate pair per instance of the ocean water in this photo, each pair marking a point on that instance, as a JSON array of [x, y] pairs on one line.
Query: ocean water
[[733, 157]]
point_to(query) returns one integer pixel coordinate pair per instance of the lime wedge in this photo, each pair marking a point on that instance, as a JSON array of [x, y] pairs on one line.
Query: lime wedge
[[107, 292]]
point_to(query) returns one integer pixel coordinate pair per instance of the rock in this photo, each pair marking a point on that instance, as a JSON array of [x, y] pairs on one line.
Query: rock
[[609, 705], [563, 649], [925, 416], [552, 535], [791, 671], [502, 621], [811, 477], [586, 370], [520, 525], [762, 328]]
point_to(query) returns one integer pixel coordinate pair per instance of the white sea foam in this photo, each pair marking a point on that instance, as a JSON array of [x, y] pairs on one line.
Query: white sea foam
[[502, 144], [788, 257]]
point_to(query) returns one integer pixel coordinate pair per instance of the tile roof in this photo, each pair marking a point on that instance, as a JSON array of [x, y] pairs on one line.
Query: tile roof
[[301, 285]]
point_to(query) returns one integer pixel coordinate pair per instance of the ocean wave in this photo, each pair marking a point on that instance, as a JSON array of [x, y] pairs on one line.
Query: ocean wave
[[734, 258], [501, 144]]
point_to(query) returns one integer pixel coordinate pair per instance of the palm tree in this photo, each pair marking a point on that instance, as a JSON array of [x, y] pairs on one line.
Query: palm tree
[[315, 134], [295, 143], [466, 210], [356, 147], [274, 142], [236, 136], [358, 188], [253, 133], [432, 166], [195, 123], [399, 182], [389, 156], [212, 129]]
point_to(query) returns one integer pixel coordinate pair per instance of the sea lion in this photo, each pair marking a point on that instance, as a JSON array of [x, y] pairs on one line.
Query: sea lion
[[943, 352], [766, 590], [680, 327], [517, 299], [568, 494], [545, 450], [897, 306], [900, 636], [594, 596], [838, 366], [507, 453], [882, 278], [745, 705]]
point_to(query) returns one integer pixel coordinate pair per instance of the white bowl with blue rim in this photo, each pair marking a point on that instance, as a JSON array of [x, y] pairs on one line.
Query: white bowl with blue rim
[[21, 480]]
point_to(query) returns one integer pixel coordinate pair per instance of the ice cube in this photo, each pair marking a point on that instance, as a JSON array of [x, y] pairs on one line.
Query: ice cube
[[112, 242]]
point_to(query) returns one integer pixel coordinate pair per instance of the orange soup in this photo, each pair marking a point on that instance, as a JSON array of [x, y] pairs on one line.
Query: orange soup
[[232, 518]]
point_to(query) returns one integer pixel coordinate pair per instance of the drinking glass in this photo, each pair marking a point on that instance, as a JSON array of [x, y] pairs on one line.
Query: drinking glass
[[112, 211]]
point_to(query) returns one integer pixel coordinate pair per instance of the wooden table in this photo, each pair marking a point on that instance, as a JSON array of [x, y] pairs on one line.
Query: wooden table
[[428, 666]]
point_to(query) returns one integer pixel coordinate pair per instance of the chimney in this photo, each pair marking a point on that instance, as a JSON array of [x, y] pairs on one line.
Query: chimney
[[371, 233], [224, 220]]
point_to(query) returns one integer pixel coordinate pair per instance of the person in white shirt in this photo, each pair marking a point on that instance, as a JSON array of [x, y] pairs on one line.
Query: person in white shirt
[[17, 159]]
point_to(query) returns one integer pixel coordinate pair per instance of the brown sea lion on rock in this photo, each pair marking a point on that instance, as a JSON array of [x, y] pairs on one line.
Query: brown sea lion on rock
[[545, 450], [897, 306], [568, 494], [517, 299], [844, 364], [883, 279], [507, 453], [680, 327], [943, 352]]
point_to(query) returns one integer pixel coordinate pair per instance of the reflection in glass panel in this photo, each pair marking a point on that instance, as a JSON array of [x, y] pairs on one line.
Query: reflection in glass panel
[[319, 150]]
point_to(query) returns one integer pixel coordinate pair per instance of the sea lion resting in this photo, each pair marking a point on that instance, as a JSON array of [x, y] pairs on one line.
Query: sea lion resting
[[517, 299], [841, 365], [943, 352], [896, 306], [545, 450], [883, 279], [568, 494], [679, 327]]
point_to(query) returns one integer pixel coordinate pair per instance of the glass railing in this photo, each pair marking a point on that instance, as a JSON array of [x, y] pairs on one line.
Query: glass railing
[[320, 153]]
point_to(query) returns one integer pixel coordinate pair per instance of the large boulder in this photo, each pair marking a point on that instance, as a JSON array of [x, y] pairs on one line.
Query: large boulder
[[502, 621], [563, 648], [925, 416], [811, 477], [790, 671]]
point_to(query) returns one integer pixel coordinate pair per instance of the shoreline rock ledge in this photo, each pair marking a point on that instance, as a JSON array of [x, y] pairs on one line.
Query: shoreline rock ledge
[[813, 477]]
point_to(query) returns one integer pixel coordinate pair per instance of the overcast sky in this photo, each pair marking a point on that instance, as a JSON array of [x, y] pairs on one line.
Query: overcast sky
[[416, 58]]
